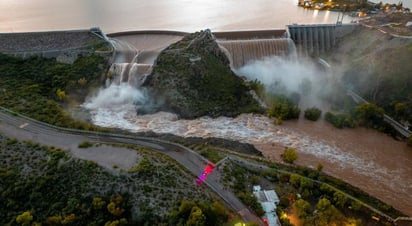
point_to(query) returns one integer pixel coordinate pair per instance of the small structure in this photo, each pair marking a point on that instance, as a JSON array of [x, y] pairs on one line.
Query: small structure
[[269, 200]]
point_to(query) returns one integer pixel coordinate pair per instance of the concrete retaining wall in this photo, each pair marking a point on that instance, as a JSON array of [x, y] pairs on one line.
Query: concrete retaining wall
[[315, 39]]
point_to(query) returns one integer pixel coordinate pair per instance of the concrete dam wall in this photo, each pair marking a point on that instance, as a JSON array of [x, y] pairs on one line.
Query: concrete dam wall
[[243, 47], [240, 52], [240, 46], [315, 39], [65, 46]]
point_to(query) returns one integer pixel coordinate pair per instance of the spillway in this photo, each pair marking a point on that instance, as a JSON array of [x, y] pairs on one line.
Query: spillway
[[240, 52], [132, 73]]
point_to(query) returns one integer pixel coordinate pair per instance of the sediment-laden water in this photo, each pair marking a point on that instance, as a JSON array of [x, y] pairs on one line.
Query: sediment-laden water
[[365, 158]]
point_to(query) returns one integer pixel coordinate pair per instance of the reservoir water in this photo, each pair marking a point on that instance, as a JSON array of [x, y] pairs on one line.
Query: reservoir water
[[181, 15], [365, 158]]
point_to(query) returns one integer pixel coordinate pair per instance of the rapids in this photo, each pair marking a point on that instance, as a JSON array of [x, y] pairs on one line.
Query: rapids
[[362, 157], [365, 158]]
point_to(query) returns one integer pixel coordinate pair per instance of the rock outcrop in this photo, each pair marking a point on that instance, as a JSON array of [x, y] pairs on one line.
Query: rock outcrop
[[193, 78]]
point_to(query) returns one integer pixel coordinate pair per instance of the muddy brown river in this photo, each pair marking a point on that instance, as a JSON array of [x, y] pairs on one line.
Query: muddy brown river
[[372, 161], [365, 158]]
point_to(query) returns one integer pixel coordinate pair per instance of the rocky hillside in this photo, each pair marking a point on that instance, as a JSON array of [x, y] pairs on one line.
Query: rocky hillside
[[192, 78], [377, 65]]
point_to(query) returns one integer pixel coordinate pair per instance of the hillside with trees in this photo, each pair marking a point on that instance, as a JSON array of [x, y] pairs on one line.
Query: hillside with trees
[[376, 66], [44, 89], [45, 185]]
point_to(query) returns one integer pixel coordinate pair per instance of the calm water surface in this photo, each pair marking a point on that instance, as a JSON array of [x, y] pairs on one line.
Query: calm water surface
[[183, 15]]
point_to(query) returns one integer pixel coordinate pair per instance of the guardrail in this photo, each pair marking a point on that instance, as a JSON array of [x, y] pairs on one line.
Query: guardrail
[[396, 125]]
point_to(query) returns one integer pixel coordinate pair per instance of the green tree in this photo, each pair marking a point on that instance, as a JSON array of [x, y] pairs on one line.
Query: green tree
[[369, 115], [196, 217], [68, 219], [112, 223], [61, 95], [289, 155], [327, 213], [54, 220], [82, 81], [283, 109], [303, 207], [114, 209], [98, 203], [319, 167], [250, 200], [339, 199], [323, 204], [312, 114], [25, 218], [340, 120], [305, 183], [294, 179], [356, 205]]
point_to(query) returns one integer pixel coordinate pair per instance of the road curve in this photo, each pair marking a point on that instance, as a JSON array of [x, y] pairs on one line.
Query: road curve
[[23, 128]]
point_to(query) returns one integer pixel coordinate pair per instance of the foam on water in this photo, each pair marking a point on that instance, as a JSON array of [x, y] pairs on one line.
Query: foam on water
[[250, 128], [258, 129]]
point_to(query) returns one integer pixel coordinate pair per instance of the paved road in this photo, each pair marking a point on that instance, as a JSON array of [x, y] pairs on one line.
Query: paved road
[[26, 129]]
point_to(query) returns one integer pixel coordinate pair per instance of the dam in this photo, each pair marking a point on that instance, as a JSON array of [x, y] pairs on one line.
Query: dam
[[316, 39], [241, 47], [133, 53], [65, 46], [142, 47]]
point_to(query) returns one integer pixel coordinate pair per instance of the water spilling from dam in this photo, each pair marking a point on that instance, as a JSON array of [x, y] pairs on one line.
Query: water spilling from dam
[[240, 52], [135, 53], [131, 73], [361, 157]]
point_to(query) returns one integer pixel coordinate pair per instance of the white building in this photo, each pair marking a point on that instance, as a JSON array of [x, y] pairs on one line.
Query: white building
[[269, 200]]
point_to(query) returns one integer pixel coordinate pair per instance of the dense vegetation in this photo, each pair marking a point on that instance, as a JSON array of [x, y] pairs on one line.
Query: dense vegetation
[[280, 106], [308, 194], [377, 66], [46, 185], [289, 155], [39, 87], [312, 114], [193, 78]]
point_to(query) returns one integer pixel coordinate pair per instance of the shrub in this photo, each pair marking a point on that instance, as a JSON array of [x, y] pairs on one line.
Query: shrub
[[289, 155], [85, 144], [369, 115], [283, 108], [250, 200], [313, 114], [319, 167], [340, 120]]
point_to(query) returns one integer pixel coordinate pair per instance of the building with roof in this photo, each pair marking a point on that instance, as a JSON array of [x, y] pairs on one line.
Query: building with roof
[[269, 200]]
